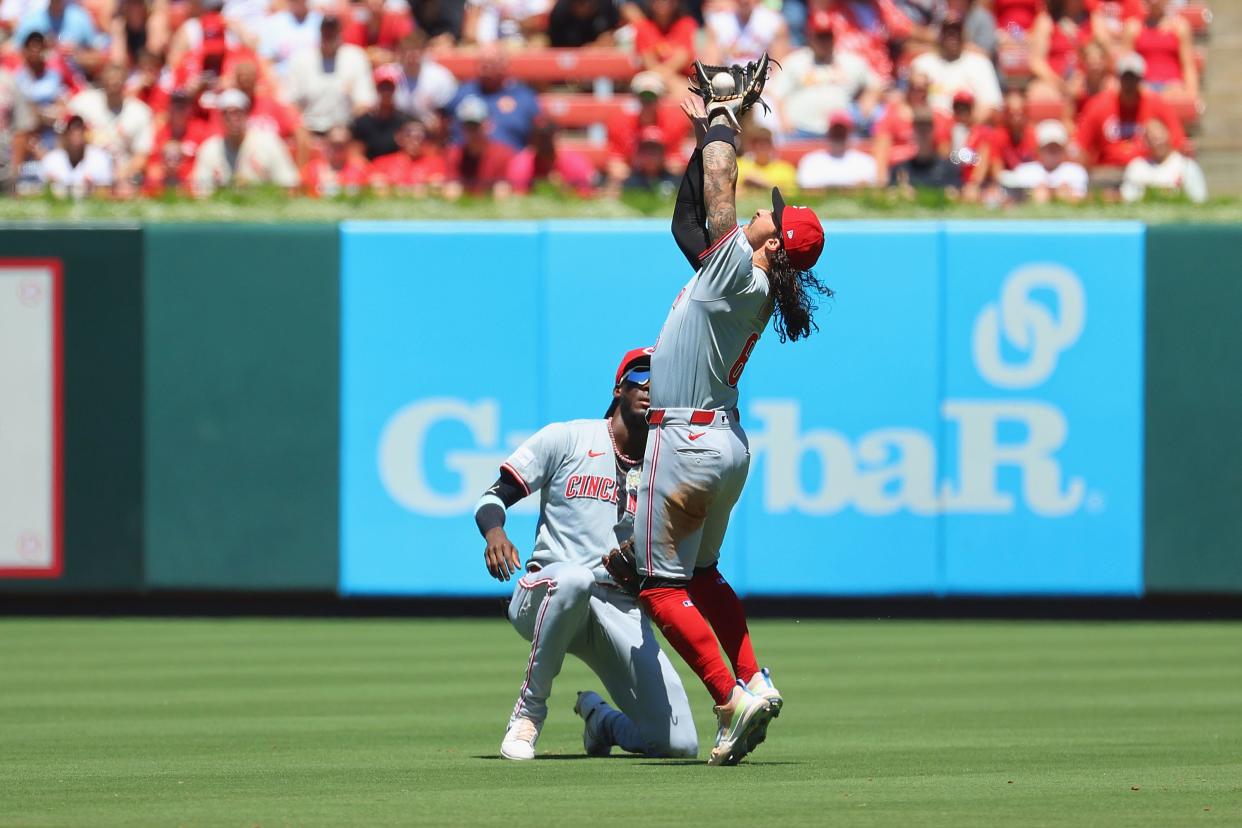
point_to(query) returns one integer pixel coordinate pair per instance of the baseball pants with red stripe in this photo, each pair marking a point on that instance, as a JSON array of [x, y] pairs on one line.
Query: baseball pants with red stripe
[[692, 477], [562, 609]]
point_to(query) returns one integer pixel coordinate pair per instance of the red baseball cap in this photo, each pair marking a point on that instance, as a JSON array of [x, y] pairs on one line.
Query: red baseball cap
[[651, 135], [840, 118], [800, 232], [638, 356], [821, 22], [387, 73], [213, 29]]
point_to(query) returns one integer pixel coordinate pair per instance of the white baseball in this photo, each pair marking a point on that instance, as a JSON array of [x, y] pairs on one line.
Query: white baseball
[[723, 84]]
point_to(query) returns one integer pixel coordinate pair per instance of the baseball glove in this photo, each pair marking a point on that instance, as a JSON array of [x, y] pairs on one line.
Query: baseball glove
[[623, 567], [731, 90]]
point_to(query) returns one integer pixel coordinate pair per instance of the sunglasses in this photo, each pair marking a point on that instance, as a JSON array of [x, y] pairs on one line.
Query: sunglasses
[[638, 376]]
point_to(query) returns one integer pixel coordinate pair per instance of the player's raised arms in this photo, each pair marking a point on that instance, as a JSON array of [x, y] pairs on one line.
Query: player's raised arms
[[720, 180], [706, 207]]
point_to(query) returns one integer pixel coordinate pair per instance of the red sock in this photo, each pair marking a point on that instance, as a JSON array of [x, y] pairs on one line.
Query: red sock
[[723, 610], [676, 616]]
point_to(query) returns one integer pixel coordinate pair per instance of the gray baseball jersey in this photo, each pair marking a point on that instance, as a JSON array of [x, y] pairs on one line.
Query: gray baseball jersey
[[711, 330], [586, 506]]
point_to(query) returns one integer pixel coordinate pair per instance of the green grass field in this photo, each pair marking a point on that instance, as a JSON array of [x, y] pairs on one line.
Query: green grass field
[[342, 722]]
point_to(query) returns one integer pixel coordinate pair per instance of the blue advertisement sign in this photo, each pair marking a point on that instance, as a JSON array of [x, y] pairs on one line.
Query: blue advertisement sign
[[843, 425], [1043, 408], [968, 419], [440, 333]]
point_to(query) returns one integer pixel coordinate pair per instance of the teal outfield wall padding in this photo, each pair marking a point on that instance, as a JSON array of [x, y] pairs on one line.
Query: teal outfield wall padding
[[1193, 521], [102, 382], [241, 415], [269, 407]]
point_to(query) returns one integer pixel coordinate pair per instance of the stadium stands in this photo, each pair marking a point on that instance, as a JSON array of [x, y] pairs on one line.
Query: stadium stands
[[380, 76]]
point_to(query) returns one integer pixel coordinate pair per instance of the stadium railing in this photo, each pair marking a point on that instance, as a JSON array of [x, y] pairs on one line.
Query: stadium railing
[[586, 65]]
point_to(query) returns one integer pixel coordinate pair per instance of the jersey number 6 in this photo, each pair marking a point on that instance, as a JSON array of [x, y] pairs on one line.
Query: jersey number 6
[[735, 373]]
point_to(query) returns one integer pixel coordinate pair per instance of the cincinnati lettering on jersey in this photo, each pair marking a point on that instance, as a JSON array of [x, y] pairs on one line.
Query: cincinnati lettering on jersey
[[595, 487]]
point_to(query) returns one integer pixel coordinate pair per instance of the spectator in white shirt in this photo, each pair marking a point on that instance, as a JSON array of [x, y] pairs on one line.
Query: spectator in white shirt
[[119, 123], [840, 165], [425, 88], [241, 155], [1164, 168], [511, 21], [247, 16], [76, 167], [12, 11], [742, 31], [819, 79], [285, 33], [1052, 177], [953, 68], [17, 121], [332, 84]]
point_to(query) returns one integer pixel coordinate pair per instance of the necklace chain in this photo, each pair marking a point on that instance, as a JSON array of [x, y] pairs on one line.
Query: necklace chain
[[621, 457]]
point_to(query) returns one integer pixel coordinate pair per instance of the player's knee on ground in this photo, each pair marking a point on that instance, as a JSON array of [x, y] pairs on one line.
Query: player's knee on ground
[[682, 743]]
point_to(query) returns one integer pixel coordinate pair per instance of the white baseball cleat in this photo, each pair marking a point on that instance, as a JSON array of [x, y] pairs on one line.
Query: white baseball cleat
[[520, 738], [761, 685], [737, 720], [589, 706]]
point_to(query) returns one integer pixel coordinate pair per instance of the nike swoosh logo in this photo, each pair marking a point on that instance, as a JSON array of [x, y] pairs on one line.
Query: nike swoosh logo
[[697, 436], [594, 453]]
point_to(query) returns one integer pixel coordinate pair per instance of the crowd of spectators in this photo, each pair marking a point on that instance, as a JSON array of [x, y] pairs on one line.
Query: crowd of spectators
[[147, 97]]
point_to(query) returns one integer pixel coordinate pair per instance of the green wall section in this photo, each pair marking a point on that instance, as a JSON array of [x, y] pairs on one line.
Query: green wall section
[[102, 335], [242, 367], [1193, 509]]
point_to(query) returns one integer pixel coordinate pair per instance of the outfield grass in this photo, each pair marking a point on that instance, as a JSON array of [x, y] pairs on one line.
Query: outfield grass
[[334, 723]]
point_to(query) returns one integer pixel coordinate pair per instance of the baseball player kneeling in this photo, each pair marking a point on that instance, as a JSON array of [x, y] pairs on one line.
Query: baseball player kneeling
[[587, 474]]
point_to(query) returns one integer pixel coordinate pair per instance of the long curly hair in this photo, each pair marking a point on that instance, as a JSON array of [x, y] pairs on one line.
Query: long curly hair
[[795, 294]]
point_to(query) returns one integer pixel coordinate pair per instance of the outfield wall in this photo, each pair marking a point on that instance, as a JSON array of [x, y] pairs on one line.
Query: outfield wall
[[241, 407], [96, 478], [990, 408], [1193, 446]]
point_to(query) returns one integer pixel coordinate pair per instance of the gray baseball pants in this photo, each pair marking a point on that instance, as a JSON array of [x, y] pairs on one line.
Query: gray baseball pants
[[562, 609]]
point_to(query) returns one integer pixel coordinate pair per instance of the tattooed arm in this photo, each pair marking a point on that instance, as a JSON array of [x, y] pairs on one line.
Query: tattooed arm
[[692, 225], [720, 177], [720, 185]]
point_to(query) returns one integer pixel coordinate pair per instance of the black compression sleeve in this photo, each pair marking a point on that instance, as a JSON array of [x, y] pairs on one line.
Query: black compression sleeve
[[491, 514], [488, 517], [721, 132], [690, 214]]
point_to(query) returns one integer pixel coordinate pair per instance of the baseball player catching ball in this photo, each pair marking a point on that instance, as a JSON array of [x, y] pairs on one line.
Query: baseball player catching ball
[[587, 474], [697, 454]]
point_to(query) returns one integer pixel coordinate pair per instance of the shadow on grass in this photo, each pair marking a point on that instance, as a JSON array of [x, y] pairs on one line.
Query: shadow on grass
[[638, 760], [664, 763], [565, 756]]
